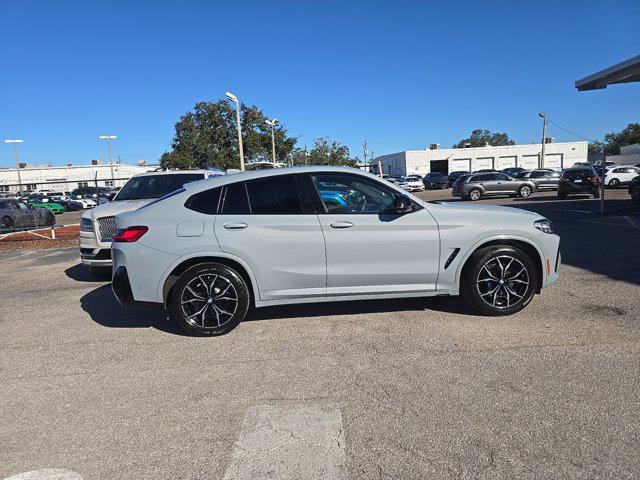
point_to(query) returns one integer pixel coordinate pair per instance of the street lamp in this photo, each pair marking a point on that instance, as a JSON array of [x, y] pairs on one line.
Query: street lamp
[[15, 154], [234, 99], [108, 138], [272, 124], [544, 135]]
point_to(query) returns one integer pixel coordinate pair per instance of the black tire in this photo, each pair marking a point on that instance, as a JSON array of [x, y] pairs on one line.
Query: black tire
[[103, 273], [6, 224], [474, 194], [214, 319], [474, 279], [596, 194], [635, 193], [525, 191], [614, 183]]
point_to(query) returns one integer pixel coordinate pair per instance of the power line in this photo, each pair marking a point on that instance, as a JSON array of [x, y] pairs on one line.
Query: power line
[[570, 132]]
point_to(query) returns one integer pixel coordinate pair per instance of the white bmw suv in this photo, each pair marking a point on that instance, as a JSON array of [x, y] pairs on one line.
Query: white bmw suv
[[211, 250], [98, 225]]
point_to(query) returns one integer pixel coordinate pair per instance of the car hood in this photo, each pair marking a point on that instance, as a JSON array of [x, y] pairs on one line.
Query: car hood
[[482, 214], [110, 209]]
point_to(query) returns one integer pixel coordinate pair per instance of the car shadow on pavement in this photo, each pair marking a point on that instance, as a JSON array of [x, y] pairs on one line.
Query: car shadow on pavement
[[80, 273], [455, 305], [103, 309]]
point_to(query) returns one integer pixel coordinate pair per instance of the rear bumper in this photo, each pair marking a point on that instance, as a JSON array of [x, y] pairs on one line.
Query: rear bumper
[[122, 287]]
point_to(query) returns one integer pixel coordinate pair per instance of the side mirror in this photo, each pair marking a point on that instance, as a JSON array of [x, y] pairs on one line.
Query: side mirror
[[403, 204]]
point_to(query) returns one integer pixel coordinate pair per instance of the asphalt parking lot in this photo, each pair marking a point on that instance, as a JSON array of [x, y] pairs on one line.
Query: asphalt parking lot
[[381, 389]]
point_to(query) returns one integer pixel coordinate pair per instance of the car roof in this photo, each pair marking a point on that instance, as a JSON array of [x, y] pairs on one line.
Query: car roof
[[220, 180], [179, 172]]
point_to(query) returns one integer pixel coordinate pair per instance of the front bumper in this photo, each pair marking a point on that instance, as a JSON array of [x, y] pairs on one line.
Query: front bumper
[[92, 252]]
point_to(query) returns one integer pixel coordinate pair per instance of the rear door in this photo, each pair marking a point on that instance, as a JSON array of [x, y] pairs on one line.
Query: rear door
[[266, 223], [490, 182], [370, 248]]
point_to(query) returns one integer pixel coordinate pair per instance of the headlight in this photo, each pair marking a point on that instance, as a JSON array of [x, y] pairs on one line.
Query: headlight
[[86, 225], [544, 225]]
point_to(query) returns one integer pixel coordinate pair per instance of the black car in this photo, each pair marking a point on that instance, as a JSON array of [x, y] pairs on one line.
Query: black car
[[634, 188], [18, 215], [513, 171], [544, 179], [486, 170], [580, 181], [435, 180], [453, 176]]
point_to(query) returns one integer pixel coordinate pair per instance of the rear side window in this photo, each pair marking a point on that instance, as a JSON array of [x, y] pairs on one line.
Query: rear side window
[[276, 195], [205, 202], [235, 200]]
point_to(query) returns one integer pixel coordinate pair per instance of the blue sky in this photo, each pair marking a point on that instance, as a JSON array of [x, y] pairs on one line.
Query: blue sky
[[399, 74]]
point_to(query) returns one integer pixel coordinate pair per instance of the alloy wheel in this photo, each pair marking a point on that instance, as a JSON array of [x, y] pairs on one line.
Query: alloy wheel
[[503, 281], [209, 300]]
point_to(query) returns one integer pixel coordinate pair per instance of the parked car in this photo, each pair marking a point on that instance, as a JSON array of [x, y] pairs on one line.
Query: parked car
[[453, 176], [435, 180], [579, 180], [620, 176], [45, 202], [634, 189], [17, 215], [477, 186], [414, 183], [84, 202], [513, 171], [543, 179], [485, 170], [98, 224], [213, 249]]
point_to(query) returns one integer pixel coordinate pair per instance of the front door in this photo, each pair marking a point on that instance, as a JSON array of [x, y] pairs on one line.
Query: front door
[[265, 223], [370, 248]]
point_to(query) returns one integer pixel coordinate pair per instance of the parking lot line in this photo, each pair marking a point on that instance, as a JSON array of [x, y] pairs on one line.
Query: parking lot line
[[289, 442]]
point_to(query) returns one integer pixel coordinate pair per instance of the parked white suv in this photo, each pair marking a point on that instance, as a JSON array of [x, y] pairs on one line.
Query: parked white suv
[[98, 224], [315, 234]]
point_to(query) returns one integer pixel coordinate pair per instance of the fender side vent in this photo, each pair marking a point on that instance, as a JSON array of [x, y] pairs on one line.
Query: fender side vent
[[451, 257]]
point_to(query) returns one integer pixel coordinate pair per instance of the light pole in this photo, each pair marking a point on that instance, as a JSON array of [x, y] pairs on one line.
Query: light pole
[[272, 124], [15, 154], [108, 138], [544, 137], [234, 99]]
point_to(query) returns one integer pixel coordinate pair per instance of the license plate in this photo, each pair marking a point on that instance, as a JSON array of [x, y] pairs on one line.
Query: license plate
[[578, 180]]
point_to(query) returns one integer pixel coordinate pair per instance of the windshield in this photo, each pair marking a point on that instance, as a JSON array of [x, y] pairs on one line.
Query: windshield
[[155, 186]]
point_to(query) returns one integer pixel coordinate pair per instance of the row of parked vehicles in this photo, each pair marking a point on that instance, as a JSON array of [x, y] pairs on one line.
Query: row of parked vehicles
[[38, 209], [580, 179]]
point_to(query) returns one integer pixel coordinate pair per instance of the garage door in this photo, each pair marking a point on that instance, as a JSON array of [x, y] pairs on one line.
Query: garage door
[[461, 165], [529, 162], [483, 163], [553, 160], [505, 162]]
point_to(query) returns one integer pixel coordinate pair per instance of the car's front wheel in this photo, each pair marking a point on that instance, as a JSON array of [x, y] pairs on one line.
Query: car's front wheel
[[614, 183], [6, 224], [210, 299], [499, 280]]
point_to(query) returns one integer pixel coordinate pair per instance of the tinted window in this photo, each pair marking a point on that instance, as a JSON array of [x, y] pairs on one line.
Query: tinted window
[[155, 186], [538, 174], [501, 176], [235, 200], [274, 196], [205, 202], [343, 193], [485, 177]]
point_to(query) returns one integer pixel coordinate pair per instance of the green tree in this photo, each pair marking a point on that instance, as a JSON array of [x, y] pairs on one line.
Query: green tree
[[628, 136], [326, 152], [207, 137], [481, 138]]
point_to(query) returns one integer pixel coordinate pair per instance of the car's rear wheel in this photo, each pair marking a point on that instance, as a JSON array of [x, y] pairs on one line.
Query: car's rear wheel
[[6, 224], [614, 183], [475, 194], [210, 299], [525, 191], [499, 280], [635, 193]]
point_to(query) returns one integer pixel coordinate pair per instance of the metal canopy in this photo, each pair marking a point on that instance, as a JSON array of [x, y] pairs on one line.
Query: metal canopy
[[623, 72]]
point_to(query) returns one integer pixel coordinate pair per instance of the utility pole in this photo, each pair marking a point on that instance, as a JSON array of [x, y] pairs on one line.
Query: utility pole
[[544, 138], [365, 152], [15, 155], [108, 138], [272, 124], [234, 99]]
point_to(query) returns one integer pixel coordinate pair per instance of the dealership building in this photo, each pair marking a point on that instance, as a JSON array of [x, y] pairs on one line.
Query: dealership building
[[445, 160]]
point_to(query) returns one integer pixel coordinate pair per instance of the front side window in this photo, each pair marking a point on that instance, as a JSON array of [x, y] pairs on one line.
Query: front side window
[[277, 195], [343, 193]]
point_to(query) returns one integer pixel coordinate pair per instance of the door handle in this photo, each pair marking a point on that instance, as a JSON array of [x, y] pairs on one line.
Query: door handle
[[341, 224], [235, 226]]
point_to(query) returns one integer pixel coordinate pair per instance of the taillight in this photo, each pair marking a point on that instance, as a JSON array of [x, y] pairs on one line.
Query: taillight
[[129, 234]]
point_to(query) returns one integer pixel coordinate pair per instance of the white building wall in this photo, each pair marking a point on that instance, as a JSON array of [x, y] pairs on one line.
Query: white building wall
[[557, 155]]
